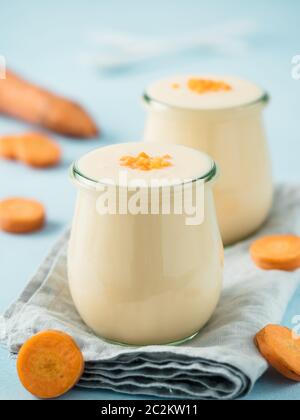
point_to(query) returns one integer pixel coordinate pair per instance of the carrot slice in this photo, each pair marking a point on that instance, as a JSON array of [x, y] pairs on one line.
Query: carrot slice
[[18, 215], [8, 147], [281, 350], [37, 150], [50, 364], [281, 252]]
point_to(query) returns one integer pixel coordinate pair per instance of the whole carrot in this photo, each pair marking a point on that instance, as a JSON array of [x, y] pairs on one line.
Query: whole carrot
[[25, 101]]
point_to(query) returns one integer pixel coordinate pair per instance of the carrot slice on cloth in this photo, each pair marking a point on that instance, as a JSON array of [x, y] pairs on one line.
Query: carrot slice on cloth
[[8, 147], [19, 215], [281, 350], [37, 150], [50, 364], [281, 252]]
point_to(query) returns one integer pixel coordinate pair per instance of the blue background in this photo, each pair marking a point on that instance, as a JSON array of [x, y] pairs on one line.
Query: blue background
[[45, 41]]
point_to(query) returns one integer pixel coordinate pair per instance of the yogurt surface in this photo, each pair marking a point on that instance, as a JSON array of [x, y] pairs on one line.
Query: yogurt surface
[[176, 91], [105, 164]]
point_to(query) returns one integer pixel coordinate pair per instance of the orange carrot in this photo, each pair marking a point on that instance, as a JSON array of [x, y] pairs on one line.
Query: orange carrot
[[50, 364], [19, 215], [33, 149], [281, 252], [25, 101], [7, 147], [37, 150], [281, 350]]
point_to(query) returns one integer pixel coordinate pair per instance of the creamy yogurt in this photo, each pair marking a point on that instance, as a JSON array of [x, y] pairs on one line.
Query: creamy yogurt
[[225, 121], [175, 91], [146, 278]]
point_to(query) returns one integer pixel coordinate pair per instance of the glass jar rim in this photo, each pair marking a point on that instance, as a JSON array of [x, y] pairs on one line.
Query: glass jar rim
[[264, 99], [89, 183]]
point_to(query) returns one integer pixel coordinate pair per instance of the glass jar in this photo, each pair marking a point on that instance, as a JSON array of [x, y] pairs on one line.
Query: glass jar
[[235, 138], [143, 279]]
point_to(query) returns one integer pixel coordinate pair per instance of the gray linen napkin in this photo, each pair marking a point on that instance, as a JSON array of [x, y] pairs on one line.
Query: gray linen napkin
[[220, 363]]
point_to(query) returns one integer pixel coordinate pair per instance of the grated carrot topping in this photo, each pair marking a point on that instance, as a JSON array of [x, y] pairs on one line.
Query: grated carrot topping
[[145, 162], [202, 86]]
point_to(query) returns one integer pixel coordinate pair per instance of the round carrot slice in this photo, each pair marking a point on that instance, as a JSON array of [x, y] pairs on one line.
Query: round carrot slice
[[8, 147], [19, 215], [37, 150], [281, 350], [50, 364], [281, 252]]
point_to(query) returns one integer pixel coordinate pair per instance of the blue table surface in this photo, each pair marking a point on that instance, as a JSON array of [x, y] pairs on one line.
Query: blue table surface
[[46, 42]]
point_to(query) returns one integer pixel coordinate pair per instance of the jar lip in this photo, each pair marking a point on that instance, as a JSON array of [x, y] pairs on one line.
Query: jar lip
[[264, 99], [89, 183]]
